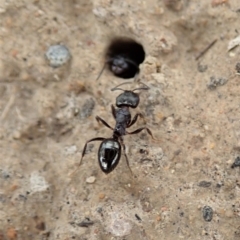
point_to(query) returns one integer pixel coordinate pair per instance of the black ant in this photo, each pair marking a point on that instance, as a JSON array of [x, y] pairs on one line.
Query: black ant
[[123, 57], [109, 152]]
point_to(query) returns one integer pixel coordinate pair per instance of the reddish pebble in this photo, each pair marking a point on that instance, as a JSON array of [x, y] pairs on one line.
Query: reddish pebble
[[11, 234]]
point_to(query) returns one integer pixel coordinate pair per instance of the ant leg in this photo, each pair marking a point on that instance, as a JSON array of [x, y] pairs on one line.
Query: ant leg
[[135, 119], [85, 148], [124, 151], [113, 111], [103, 122], [140, 129]]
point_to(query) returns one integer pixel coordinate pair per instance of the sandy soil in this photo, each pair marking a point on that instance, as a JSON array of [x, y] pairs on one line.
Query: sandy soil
[[47, 115]]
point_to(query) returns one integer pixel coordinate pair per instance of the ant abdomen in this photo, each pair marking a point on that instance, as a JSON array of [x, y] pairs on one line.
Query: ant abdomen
[[109, 154]]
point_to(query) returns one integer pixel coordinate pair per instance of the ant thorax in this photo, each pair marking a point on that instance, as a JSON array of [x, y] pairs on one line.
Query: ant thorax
[[123, 118]]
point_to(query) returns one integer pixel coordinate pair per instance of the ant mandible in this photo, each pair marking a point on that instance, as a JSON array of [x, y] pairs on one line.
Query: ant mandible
[[109, 152]]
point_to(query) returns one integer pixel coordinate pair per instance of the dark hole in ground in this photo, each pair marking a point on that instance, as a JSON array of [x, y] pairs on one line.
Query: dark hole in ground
[[123, 57]]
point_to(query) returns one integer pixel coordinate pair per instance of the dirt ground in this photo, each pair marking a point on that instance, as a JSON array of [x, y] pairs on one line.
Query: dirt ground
[[47, 114]]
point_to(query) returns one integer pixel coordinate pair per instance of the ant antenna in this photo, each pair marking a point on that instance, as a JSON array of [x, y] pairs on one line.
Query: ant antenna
[[145, 87], [141, 88], [99, 75], [131, 62], [117, 87]]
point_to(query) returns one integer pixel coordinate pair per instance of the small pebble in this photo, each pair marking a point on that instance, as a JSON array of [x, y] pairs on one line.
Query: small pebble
[[215, 82], [101, 196], [91, 179], [38, 183], [13, 188], [204, 184], [218, 2], [16, 135], [207, 213], [87, 108], [41, 226], [11, 234], [237, 67], [57, 55], [119, 227], [202, 68], [174, 5], [236, 163]]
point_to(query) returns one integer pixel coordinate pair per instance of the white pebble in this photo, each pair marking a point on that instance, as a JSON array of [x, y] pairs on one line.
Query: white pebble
[[37, 183], [58, 55], [91, 179]]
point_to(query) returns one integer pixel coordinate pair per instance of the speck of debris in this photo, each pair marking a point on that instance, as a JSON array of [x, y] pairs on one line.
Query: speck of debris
[[57, 55], [21, 197], [41, 226], [174, 5], [234, 43], [85, 223], [237, 67], [87, 108], [143, 151], [218, 185], [138, 218], [181, 214], [236, 162], [99, 210], [91, 179], [204, 184], [215, 82], [207, 213], [5, 174], [202, 68]]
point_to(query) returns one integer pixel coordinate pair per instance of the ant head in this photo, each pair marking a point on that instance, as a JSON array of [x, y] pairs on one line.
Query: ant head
[[128, 98], [122, 67], [118, 65], [109, 154], [123, 57]]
